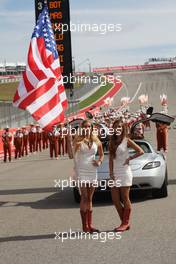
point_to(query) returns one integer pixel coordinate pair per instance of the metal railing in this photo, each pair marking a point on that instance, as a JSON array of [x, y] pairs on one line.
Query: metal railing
[[14, 117]]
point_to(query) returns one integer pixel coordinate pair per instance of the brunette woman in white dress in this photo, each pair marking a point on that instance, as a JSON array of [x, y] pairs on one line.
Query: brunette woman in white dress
[[120, 171], [86, 146]]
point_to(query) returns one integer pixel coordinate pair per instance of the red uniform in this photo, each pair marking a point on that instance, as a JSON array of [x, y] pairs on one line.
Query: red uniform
[[66, 140], [162, 136], [7, 139], [25, 142], [38, 138], [62, 141], [18, 143], [53, 140], [45, 139], [32, 139]]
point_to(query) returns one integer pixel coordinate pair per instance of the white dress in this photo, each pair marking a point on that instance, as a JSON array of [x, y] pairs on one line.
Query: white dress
[[84, 169], [122, 173]]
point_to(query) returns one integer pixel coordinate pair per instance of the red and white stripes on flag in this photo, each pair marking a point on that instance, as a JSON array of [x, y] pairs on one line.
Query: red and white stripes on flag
[[41, 91]]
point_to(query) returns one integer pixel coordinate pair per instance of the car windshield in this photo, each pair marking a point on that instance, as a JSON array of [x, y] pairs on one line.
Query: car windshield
[[144, 145]]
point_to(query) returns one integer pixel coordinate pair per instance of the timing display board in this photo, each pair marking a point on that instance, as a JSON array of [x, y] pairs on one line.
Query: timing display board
[[59, 12]]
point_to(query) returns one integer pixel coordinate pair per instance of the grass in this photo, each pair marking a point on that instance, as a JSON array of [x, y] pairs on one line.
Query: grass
[[77, 85], [7, 91], [95, 96]]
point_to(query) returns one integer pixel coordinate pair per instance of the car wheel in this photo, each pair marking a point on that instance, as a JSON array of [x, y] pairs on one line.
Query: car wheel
[[162, 192], [76, 195]]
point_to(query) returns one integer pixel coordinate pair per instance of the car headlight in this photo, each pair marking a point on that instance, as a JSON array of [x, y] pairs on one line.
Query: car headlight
[[152, 165]]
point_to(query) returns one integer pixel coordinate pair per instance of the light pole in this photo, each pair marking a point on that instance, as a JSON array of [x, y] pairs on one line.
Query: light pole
[[84, 61], [73, 65], [89, 64]]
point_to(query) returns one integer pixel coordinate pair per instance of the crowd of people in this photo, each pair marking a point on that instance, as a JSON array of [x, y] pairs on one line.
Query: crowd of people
[[106, 120], [31, 139], [111, 130]]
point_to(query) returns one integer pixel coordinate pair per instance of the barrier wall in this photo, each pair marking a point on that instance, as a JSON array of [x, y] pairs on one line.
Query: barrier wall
[[136, 68], [12, 116]]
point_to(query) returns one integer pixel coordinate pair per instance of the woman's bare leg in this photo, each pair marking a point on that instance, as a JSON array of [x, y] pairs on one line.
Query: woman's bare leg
[[83, 208], [115, 194], [84, 198], [90, 191], [125, 196]]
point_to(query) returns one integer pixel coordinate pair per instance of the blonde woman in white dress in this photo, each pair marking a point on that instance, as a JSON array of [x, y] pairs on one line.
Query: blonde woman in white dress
[[120, 171], [86, 146]]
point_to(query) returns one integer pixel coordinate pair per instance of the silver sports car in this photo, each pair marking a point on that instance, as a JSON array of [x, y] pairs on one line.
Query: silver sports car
[[149, 172]]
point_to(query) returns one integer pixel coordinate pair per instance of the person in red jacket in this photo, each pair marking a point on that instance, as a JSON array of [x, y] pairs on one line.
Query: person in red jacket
[[18, 143], [61, 139], [45, 139], [7, 140], [66, 138], [32, 138], [162, 136], [38, 138], [25, 141], [53, 140]]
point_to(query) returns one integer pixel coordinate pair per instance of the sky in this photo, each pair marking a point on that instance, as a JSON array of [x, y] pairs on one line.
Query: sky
[[147, 30]]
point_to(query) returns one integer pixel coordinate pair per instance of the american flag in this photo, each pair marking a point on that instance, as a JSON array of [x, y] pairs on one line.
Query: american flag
[[41, 91]]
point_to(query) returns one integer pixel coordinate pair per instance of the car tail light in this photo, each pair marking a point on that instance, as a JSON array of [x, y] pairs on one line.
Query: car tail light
[[152, 165]]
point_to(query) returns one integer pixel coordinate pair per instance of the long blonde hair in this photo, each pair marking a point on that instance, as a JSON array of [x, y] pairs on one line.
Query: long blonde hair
[[79, 138]]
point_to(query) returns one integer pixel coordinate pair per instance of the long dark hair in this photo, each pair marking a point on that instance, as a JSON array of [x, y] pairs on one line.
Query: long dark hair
[[115, 140]]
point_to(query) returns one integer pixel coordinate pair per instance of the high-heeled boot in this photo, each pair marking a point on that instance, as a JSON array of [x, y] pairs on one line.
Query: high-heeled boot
[[125, 225]]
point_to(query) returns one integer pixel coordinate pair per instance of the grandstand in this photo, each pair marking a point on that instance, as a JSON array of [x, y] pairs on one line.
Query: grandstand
[[11, 68], [133, 68]]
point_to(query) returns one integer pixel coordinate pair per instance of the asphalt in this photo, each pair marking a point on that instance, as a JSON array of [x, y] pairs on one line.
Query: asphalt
[[32, 210]]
